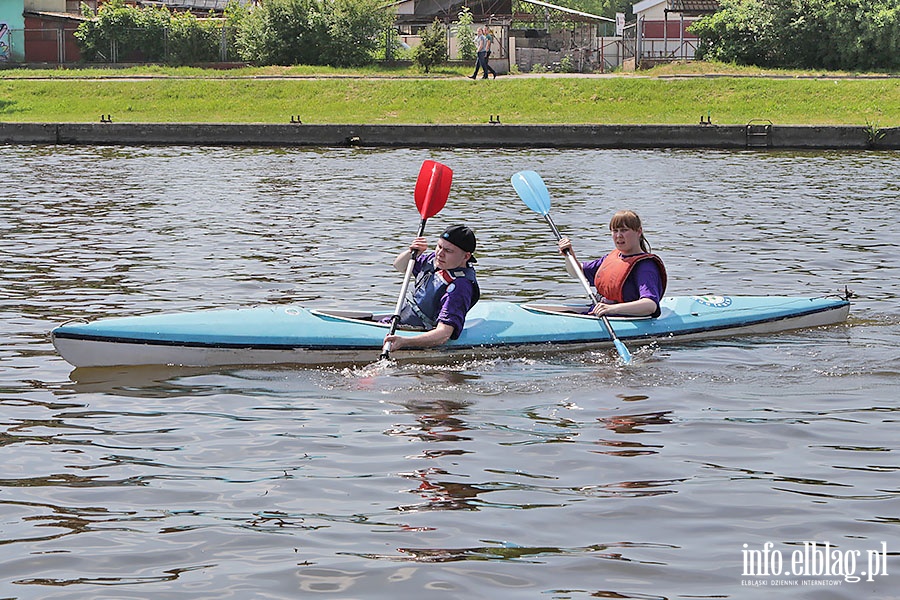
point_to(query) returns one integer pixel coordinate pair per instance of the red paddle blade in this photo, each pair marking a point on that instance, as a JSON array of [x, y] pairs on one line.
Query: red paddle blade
[[432, 188]]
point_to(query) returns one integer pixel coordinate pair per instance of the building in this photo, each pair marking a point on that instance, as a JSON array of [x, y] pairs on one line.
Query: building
[[580, 42], [559, 38], [413, 15], [200, 8], [12, 31], [662, 29], [49, 28]]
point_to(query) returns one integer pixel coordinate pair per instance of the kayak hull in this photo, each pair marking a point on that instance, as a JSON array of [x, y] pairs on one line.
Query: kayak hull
[[296, 335]]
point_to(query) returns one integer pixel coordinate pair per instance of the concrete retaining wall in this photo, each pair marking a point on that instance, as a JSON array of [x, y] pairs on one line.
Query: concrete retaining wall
[[495, 135]]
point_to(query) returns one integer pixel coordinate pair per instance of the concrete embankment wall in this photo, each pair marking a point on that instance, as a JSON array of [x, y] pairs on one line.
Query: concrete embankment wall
[[493, 135]]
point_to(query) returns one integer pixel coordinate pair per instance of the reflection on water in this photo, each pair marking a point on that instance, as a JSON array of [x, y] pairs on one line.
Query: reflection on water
[[513, 553], [561, 475]]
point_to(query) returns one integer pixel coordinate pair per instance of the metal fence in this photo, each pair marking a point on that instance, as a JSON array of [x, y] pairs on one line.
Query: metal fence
[[668, 50], [12, 45], [662, 49], [55, 45], [49, 46]]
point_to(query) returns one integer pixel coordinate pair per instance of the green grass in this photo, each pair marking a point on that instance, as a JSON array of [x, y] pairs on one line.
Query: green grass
[[666, 95]]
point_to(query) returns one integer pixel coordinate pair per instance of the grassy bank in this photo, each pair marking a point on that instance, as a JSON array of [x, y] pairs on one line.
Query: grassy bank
[[666, 96]]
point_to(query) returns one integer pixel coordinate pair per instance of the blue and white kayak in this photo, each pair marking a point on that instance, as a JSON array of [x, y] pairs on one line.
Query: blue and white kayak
[[291, 334]]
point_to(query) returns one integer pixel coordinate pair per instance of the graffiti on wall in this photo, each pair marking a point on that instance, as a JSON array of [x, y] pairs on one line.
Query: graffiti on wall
[[5, 52]]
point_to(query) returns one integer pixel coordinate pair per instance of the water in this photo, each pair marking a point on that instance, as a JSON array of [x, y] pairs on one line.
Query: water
[[558, 476]]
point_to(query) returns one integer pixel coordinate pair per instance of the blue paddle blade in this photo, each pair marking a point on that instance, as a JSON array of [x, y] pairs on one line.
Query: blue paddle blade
[[624, 354], [532, 191]]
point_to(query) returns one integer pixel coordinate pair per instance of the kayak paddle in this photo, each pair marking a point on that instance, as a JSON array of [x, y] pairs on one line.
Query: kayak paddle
[[534, 194], [432, 190]]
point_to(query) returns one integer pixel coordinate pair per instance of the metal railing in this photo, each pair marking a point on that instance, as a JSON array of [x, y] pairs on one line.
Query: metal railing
[[661, 49]]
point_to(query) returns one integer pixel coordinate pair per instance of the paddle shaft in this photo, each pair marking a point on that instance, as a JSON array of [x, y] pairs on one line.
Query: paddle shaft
[[395, 318], [573, 263], [579, 273]]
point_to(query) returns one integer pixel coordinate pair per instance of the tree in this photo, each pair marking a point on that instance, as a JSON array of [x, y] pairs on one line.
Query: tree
[[816, 34], [191, 40], [737, 33], [432, 49], [464, 35], [122, 33], [340, 33], [352, 29], [603, 8], [279, 32]]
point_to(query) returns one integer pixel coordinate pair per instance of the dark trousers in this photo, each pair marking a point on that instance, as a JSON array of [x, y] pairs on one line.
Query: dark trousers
[[482, 62]]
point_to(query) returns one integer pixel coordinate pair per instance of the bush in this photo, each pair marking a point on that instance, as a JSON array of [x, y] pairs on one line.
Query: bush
[[340, 33], [432, 49], [279, 32], [815, 34], [352, 31], [465, 38], [123, 33], [193, 41], [390, 47]]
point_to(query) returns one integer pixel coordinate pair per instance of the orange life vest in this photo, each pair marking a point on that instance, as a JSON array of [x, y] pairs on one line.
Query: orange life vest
[[615, 269]]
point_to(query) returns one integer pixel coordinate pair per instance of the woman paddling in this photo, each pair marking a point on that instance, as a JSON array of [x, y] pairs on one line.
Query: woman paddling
[[630, 280]]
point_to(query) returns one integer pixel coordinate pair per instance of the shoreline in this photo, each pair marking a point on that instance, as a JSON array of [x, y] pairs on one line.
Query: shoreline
[[757, 135]]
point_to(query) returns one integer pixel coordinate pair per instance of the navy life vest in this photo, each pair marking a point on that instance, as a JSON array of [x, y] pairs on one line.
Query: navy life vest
[[423, 299]]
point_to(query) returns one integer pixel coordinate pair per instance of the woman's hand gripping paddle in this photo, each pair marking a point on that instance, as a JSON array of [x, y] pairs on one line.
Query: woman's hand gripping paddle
[[432, 190], [534, 194]]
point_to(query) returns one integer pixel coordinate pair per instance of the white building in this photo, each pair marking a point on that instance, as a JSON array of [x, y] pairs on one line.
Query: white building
[[662, 28]]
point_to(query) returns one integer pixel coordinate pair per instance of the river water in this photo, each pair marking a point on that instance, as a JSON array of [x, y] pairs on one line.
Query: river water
[[708, 470]]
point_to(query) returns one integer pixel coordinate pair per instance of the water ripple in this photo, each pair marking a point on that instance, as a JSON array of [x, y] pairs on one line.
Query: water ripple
[[472, 478]]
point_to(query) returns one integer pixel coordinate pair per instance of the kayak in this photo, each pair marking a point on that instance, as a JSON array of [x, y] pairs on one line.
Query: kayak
[[292, 334]]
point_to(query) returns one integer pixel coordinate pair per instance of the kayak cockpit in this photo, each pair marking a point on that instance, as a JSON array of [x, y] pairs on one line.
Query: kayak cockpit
[[363, 317], [573, 310]]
